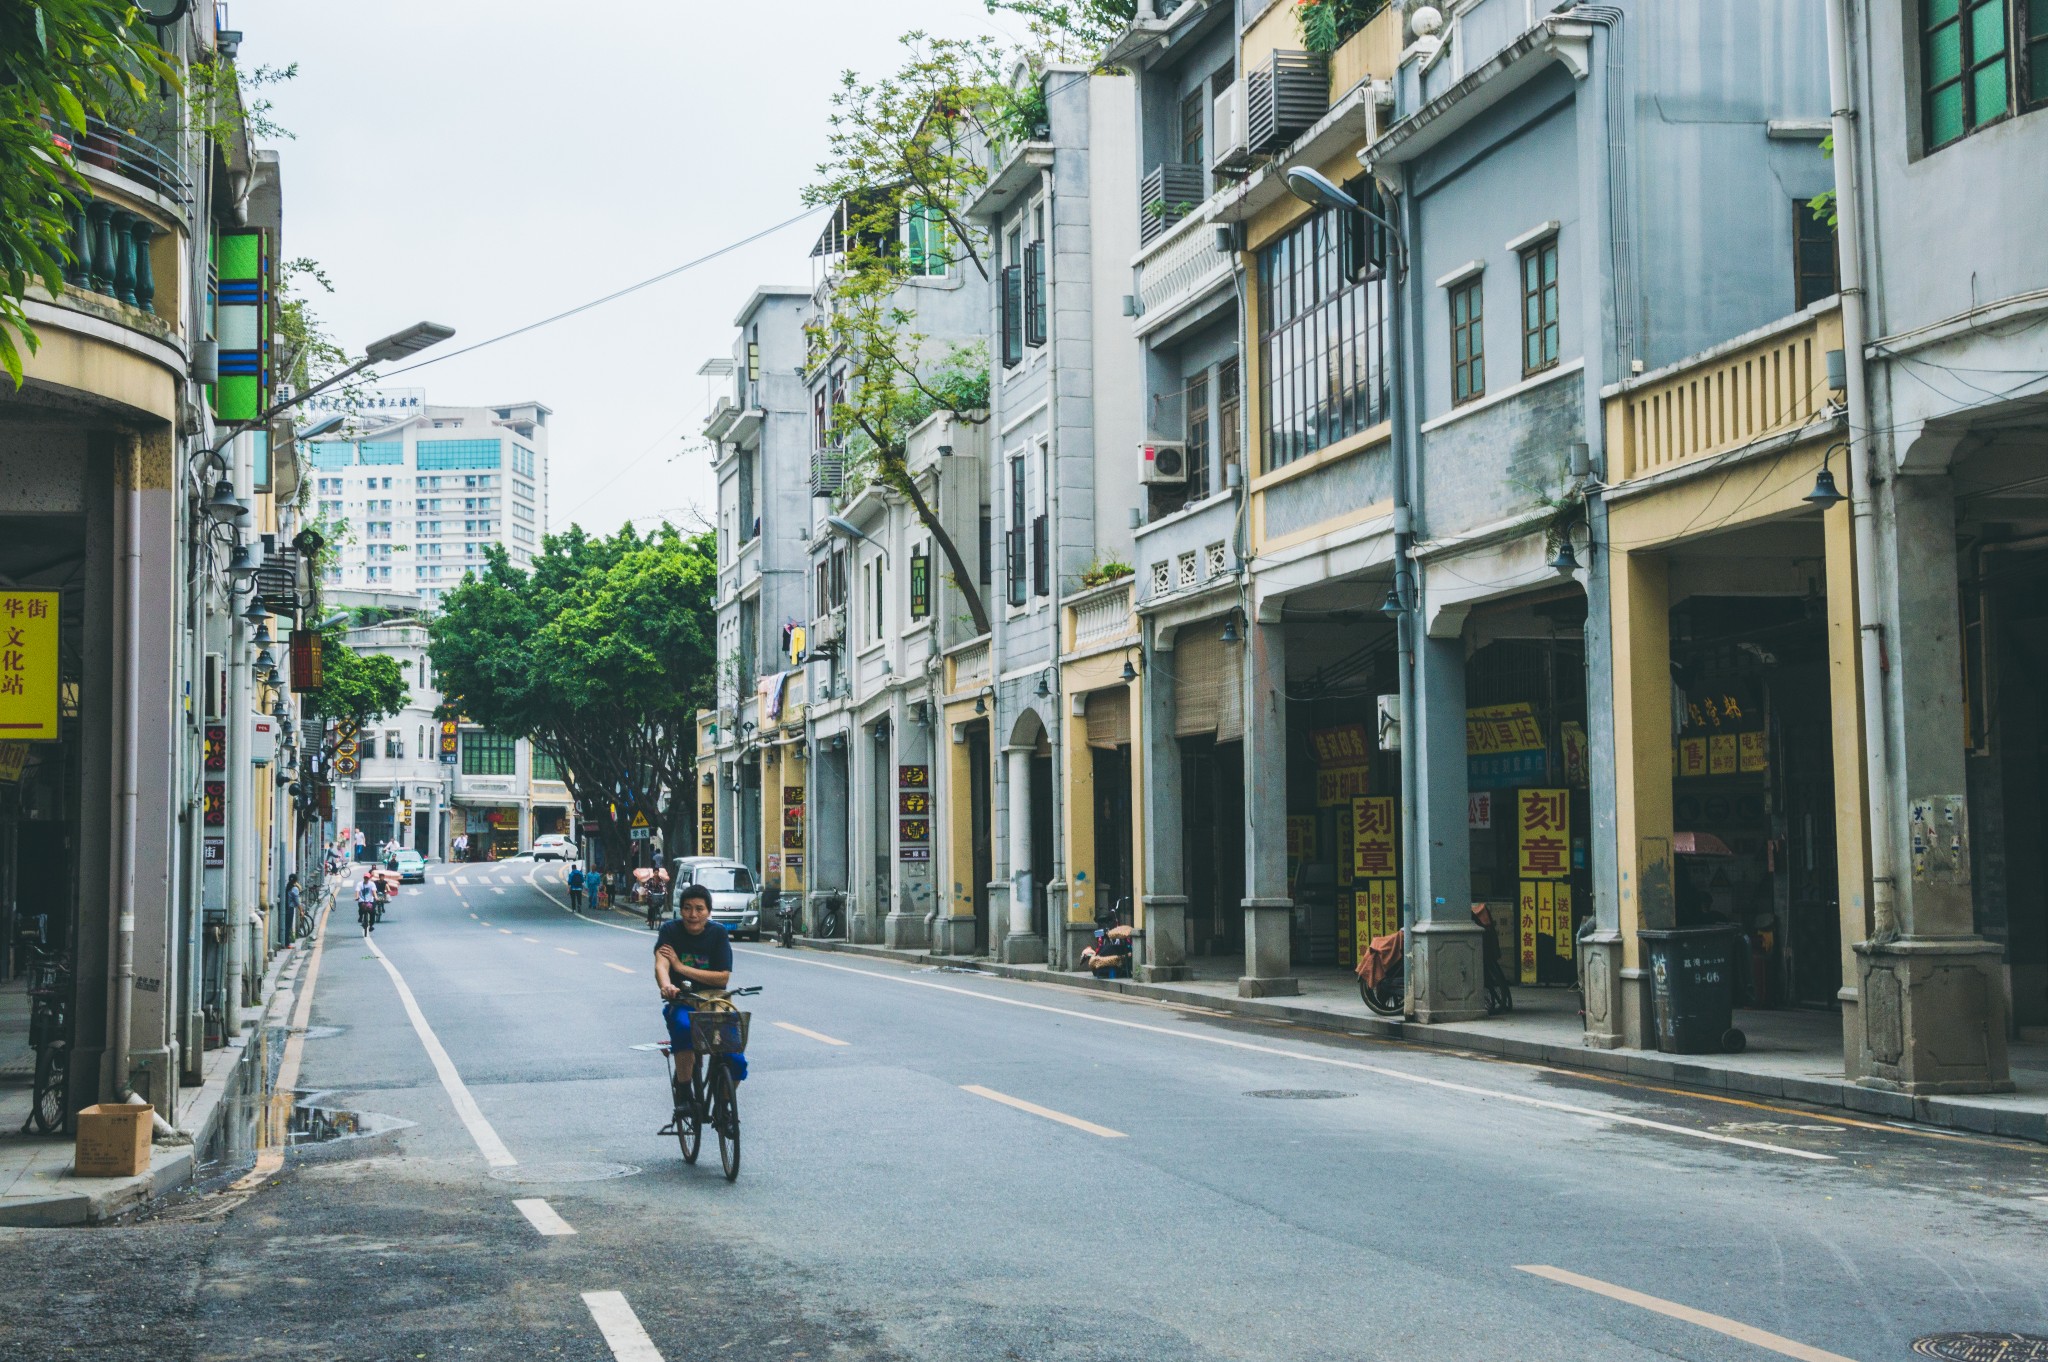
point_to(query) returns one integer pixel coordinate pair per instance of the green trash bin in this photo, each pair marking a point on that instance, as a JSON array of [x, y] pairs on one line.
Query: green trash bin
[[1692, 975]]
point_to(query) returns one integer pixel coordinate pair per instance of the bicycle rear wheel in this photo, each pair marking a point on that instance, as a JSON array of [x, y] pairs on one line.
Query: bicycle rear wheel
[[689, 1125], [1388, 999], [49, 1112], [725, 1114]]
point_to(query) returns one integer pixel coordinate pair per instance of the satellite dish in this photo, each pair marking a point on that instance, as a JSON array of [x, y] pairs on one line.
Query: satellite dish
[[163, 11]]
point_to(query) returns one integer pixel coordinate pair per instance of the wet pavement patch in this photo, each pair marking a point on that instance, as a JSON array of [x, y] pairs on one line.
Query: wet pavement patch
[[1299, 1094], [543, 1173], [1983, 1347]]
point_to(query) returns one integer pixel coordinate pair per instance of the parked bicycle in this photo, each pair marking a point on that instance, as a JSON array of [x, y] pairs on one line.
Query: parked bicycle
[[49, 1033], [1383, 972], [707, 1093], [831, 915]]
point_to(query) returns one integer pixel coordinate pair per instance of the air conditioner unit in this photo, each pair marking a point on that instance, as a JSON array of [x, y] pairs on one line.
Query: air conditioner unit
[[1165, 465], [1233, 147]]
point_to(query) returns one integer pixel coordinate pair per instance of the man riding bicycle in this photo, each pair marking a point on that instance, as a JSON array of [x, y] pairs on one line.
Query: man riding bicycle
[[691, 953], [366, 902]]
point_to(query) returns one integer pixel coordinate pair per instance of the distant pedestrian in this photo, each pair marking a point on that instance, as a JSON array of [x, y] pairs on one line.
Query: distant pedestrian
[[293, 904], [575, 887], [655, 859]]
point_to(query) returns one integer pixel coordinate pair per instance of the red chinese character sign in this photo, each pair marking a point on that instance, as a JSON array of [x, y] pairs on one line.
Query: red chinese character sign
[[1543, 823], [28, 666]]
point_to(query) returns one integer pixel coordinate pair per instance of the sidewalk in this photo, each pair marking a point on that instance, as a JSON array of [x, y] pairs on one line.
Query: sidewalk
[[1792, 1055], [37, 1189]]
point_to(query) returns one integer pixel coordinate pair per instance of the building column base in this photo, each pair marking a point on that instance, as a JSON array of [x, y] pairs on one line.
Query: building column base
[[1446, 971], [1079, 937], [1934, 1018], [1023, 948], [1600, 969], [954, 935], [1268, 947], [905, 932], [1164, 959]]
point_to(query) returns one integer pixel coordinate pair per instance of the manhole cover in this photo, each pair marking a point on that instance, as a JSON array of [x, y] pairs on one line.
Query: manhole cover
[[563, 1172], [1984, 1347], [1299, 1094]]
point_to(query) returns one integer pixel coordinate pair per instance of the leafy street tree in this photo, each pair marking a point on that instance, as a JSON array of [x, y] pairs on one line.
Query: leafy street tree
[[601, 655], [1072, 30], [906, 155], [61, 62], [358, 686]]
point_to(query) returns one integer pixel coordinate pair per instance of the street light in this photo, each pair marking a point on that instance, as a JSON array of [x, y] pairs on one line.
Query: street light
[[331, 421]]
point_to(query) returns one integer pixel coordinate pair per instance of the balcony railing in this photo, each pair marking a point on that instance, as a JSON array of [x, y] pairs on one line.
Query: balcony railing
[[1177, 265], [128, 154], [1767, 383], [971, 666], [109, 251], [1167, 194], [1100, 616]]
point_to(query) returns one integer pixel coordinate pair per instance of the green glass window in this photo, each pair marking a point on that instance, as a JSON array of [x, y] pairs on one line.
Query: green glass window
[[1539, 307], [920, 585], [1814, 265], [488, 754], [924, 237], [2034, 54], [382, 451], [443, 454], [1967, 66], [546, 767], [1468, 342]]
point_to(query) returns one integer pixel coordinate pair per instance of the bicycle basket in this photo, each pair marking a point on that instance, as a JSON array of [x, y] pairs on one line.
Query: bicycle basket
[[718, 1033]]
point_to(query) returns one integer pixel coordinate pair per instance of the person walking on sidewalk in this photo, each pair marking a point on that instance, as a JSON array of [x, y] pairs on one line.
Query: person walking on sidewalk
[[575, 887]]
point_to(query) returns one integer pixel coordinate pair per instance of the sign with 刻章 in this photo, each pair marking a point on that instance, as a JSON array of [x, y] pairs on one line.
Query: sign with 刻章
[[1504, 747], [1372, 837], [28, 666]]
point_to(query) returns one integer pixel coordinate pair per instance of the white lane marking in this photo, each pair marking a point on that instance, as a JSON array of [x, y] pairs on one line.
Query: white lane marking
[[543, 1216], [621, 1327], [1047, 1112], [814, 1035], [595, 922], [462, 879], [1720, 1324], [561, 949], [496, 890], [508, 879], [533, 939], [1445, 1085], [504, 931], [620, 968], [475, 918], [480, 921], [487, 1140]]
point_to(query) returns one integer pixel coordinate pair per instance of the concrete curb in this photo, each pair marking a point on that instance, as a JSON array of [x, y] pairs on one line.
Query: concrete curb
[[1949, 1113], [93, 1201]]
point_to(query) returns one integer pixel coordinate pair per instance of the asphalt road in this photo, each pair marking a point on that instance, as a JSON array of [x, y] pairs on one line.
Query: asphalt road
[[939, 1165]]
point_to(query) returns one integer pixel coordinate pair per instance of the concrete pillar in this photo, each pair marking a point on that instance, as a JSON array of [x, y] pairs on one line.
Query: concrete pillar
[[1852, 773], [1021, 945], [1446, 960], [1600, 962], [1162, 886], [1618, 987], [1932, 991], [1268, 907]]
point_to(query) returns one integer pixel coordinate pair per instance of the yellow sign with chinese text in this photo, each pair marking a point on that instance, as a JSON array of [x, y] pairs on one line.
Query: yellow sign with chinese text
[[28, 666], [1544, 823], [1502, 728], [1372, 837]]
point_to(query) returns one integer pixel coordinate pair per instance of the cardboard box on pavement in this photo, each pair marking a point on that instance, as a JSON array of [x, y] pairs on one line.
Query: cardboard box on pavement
[[113, 1141]]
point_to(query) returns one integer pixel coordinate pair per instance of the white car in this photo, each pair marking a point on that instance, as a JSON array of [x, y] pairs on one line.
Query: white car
[[735, 898], [553, 846]]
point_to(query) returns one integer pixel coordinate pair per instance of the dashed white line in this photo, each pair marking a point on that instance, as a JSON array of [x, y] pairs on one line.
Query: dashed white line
[[462, 879], [532, 939], [620, 968], [496, 890], [487, 1140], [543, 1216], [621, 1327], [564, 950], [814, 1035], [1047, 1112]]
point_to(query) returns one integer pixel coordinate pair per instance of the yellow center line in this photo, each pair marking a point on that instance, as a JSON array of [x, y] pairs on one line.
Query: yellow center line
[[814, 1035], [1047, 1112], [1747, 1333]]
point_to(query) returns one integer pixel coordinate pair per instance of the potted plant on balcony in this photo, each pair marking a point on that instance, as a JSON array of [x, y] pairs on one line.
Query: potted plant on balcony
[[1325, 25]]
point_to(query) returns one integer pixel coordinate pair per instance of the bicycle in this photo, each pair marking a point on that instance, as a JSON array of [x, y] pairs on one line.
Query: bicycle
[[49, 1033], [1387, 995], [829, 915], [709, 1095]]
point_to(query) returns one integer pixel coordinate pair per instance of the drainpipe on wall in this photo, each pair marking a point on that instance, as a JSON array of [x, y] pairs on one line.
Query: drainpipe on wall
[[1862, 483], [131, 746]]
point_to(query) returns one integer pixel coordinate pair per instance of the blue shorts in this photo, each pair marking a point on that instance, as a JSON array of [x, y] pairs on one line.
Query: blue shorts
[[677, 1015]]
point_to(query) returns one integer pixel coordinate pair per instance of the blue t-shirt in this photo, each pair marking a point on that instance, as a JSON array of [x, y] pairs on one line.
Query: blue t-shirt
[[710, 949], [576, 877]]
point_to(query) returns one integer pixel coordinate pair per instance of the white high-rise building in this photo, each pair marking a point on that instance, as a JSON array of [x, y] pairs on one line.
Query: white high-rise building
[[424, 489]]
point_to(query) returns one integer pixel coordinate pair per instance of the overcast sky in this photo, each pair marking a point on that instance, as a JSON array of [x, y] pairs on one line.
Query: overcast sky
[[489, 164]]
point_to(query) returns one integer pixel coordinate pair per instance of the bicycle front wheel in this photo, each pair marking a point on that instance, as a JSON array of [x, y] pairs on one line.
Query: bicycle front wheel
[[725, 1114]]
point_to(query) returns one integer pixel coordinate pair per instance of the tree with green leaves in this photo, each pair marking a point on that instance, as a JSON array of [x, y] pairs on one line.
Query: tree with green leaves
[[357, 686], [1072, 30], [62, 62], [906, 156], [601, 655]]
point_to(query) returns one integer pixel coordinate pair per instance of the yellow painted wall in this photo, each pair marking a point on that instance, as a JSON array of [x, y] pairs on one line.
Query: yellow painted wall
[[1077, 827], [82, 363], [1851, 765], [955, 821]]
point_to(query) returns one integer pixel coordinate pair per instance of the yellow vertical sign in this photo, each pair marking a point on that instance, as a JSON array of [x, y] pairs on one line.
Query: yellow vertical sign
[[28, 666], [1565, 926], [1527, 924]]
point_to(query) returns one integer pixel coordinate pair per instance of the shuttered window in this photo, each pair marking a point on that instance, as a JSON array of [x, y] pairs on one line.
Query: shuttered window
[[1109, 719], [1208, 694]]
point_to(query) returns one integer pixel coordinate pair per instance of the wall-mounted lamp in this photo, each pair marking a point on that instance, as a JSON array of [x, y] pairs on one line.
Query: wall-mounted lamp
[[945, 451], [1565, 562], [1230, 634], [1129, 673], [224, 505], [980, 705], [1044, 687], [1825, 494], [244, 564]]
